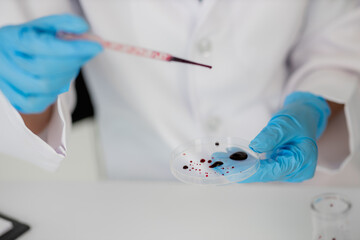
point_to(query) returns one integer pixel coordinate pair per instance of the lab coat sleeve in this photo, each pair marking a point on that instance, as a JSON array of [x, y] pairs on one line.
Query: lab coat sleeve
[[326, 62], [47, 149]]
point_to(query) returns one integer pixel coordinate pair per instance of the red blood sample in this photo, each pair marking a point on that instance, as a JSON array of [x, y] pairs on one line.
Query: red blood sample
[[227, 172], [206, 175], [239, 156], [191, 161], [202, 160], [184, 154], [209, 161], [232, 167], [216, 164], [108, 44], [185, 167], [199, 169], [217, 144]]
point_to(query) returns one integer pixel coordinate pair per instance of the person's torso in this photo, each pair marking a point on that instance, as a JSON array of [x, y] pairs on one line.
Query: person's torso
[[146, 107]]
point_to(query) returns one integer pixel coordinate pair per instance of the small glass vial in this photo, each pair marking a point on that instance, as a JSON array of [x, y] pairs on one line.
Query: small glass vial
[[330, 217]]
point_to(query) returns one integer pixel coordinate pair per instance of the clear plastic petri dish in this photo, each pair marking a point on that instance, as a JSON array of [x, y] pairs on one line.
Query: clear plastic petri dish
[[214, 161]]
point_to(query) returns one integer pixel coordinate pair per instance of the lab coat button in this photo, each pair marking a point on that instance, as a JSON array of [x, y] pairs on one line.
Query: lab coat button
[[213, 123], [204, 47]]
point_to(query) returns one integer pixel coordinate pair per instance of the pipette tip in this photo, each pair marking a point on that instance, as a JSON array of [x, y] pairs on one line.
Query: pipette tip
[[176, 59]]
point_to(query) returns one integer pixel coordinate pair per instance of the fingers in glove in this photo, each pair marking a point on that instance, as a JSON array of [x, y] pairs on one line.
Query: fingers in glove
[[27, 104], [278, 131], [293, 162]]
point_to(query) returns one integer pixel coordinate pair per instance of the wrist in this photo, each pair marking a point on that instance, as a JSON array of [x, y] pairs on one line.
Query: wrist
[[38, 122]]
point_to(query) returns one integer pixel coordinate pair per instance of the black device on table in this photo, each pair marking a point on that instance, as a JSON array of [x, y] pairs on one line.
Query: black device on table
[[17, 229]]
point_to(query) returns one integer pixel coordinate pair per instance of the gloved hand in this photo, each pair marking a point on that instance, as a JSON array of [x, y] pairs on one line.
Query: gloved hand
[[290, 140], [36, 66]]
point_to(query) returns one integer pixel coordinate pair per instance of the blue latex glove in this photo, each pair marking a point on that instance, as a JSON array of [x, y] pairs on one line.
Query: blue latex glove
[[290, 140], [36, 66]]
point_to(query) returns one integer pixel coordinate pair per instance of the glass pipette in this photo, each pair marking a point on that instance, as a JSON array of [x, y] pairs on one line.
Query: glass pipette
[[124, 48]]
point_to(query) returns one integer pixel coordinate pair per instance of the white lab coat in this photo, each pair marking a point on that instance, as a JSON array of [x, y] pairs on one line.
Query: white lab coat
[[261, 51]]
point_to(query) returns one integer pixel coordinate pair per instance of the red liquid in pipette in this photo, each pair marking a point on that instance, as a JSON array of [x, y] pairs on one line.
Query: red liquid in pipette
[[138, 51]]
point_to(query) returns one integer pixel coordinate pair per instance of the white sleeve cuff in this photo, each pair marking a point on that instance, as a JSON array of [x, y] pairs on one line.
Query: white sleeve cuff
[[340, 142], [47, 150]]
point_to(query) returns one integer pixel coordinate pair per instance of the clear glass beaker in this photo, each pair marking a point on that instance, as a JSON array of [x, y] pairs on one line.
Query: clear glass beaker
[[330, 213]]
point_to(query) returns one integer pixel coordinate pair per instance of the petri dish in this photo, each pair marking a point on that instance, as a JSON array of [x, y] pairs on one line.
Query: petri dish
[[214, 161]]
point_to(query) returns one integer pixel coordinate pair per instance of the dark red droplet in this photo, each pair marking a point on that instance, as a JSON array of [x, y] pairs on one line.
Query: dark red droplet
[[184, 154], [227, 172], [206, 175], [202, 160], [212, 157], [217, 144], [185, 167], [191, 161], [232, 167], [216, 164], [239, 156], [209, 161]]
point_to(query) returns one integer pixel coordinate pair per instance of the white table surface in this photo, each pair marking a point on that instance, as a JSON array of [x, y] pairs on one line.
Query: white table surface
[[72, 204], [139, 210]]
